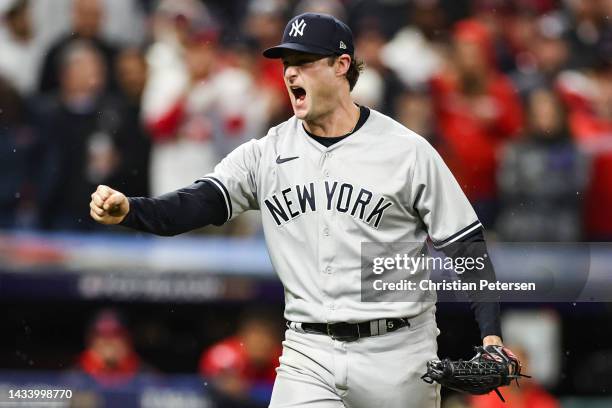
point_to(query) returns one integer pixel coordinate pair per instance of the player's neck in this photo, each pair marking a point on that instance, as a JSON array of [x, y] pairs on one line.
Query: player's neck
[[338, 122]]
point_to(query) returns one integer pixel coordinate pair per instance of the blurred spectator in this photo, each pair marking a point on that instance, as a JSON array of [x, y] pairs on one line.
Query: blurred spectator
[[215, 110], [243, 53], [589, 26], [109, 357], [87, 17], [542, 178], [331, 7], [124, 23], [172, 25], [590, 100], [16, 142], [538, 332], [511, 24], [243, 366], [418, 38], [477, 110], [79, 126], [131, 69], [264, 22], [545, 55], [133, 140], [20, 54], [415, 111], [528, 395], [378, 85]]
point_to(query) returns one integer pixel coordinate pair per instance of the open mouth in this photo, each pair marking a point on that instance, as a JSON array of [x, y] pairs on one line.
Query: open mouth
[[299, 93]]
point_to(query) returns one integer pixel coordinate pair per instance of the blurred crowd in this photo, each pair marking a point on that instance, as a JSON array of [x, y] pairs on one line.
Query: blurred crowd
[[239, 370], [147, 96]]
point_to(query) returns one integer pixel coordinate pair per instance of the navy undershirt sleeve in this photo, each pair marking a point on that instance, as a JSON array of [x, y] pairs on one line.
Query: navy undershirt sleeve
[[186, 209], [484, 304]]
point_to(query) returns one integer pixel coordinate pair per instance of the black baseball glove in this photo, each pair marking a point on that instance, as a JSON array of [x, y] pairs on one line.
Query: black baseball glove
[[491, 367]]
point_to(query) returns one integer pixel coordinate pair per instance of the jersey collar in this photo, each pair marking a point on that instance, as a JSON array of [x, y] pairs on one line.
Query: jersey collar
[[359, 132]]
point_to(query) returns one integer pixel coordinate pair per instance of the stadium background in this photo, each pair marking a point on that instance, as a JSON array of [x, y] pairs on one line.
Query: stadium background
[[146, 96]]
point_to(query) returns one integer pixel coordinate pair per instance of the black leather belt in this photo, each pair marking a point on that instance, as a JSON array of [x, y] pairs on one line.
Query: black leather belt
[[352, 331]]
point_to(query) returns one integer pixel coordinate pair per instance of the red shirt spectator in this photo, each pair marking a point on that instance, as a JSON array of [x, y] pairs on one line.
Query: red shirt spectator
[[230, 355], [590, 102], [109, 357], [244, 366], [595, 135], [477, 108]]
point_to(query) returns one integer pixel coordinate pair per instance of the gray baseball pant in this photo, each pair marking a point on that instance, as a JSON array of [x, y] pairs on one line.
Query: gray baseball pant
[[383, 371]]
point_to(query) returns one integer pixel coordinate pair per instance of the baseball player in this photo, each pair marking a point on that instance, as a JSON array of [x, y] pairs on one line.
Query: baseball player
[[331, 177]]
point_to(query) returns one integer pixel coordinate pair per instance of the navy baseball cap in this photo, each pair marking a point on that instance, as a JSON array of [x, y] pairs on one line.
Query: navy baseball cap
[[315, 34]]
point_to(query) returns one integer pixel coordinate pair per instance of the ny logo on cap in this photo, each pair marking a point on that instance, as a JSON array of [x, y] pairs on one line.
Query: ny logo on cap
[[297, 28]]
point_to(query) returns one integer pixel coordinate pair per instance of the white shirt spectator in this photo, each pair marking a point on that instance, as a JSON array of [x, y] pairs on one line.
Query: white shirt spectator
[[19, 61], [399, 55]]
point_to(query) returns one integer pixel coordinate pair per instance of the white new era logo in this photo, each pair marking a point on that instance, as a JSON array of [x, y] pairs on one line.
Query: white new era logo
[[297, 28], [342, 45]]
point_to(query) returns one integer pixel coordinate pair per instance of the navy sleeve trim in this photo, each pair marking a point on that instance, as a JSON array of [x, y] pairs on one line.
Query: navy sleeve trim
[[464, 232], [228, 201], [418, 198]]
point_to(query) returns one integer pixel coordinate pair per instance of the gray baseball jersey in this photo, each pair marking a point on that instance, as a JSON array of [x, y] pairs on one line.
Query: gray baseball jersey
[[383, 183]]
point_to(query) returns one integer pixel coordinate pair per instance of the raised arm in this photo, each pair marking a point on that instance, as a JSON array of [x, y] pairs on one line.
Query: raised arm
[[183, 210]]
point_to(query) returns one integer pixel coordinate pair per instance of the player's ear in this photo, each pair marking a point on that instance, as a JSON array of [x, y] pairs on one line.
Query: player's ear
[[343, 63]]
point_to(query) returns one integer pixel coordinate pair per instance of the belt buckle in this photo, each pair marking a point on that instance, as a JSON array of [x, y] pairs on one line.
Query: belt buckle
[[348, 338]]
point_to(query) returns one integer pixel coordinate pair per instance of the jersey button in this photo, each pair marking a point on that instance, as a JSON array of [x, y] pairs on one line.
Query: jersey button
[[326, 231], [328, 269], [326, 173]]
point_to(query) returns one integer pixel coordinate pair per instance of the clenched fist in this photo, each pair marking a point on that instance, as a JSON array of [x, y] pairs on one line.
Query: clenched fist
[[108, 206]]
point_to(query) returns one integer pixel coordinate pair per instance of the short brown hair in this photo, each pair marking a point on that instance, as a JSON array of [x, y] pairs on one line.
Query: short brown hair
[[352, 75]]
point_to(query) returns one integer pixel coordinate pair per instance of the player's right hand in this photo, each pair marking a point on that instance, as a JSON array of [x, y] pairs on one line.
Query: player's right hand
[[108, 206]]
